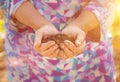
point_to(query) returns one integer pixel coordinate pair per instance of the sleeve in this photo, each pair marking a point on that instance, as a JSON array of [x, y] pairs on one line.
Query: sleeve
[[14, 5], [3, 4], [104, 10]]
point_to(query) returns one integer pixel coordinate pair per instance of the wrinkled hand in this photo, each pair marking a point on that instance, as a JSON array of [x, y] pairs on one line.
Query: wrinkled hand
[[70, 49], [50, 48]]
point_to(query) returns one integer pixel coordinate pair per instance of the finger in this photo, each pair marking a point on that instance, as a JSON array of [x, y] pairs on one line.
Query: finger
[[62, 55], [83, 44], [38, 39], [47, 45], [79, 50], [66, 50], [70, 45], [50, 51], [65, 57], [54, 54], [79, 40]]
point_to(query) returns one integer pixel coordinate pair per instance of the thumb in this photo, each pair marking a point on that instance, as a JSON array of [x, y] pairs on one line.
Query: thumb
[[38, 39], [79, 40]]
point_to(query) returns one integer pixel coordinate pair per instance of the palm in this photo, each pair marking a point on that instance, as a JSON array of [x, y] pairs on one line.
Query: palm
[[75, 32], [45, 31]]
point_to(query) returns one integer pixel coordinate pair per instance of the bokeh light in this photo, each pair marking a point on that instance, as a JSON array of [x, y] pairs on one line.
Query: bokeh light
[[115, 29]]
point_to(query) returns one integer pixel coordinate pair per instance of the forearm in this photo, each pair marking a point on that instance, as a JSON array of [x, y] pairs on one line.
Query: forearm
[[29, 16], [87, 21]]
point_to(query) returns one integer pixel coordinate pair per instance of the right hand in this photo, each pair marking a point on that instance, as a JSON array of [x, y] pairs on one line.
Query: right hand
[[50, 48], [70, 49]]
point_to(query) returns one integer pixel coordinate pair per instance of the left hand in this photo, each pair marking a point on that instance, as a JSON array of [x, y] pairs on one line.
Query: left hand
[[50, 48], [70, 49]]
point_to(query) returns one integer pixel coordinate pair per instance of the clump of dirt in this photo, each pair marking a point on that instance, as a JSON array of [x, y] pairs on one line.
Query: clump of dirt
[[59, 38]]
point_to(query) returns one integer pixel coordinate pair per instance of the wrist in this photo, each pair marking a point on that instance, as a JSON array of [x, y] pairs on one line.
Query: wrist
[[40, 29], [80, 26], [41, 25], [87, 21], [74, 29]]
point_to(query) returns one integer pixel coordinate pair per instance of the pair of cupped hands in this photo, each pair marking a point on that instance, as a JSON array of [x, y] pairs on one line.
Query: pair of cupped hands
[[67, 49]]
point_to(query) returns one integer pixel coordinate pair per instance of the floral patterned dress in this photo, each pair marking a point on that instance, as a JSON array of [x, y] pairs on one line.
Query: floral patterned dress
[[24, 64]]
